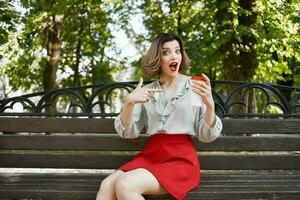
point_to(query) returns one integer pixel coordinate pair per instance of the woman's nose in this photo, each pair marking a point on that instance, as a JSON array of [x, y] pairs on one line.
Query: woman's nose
[[173, 55]]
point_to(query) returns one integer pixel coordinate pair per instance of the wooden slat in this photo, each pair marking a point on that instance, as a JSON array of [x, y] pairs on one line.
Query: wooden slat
[[114, 142], [63, 194], [216, 176], [206, 175], [280, 194], [259, 192], [215, 186], [50, 181], [64, 186], [56, 177], [290, 194], [108, 161], [256, 162], [56, 125], [262, 126], [83, 125]]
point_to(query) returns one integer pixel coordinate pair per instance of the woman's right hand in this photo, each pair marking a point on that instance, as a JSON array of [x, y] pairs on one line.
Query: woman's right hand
[[141, 95]]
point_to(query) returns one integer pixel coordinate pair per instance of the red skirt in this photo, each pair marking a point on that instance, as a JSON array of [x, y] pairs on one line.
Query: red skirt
[[172, 159]]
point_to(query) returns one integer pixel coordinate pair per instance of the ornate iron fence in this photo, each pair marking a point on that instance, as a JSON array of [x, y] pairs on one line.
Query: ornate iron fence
[[232, 99]]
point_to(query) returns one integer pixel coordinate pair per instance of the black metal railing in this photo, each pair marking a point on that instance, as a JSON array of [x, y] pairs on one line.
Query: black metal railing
[[232, 99]]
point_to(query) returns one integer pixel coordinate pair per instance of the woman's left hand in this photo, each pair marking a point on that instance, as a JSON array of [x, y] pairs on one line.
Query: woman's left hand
[[203, 88]]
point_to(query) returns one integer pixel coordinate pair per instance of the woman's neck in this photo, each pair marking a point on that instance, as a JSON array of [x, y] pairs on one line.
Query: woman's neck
[[167, 81]]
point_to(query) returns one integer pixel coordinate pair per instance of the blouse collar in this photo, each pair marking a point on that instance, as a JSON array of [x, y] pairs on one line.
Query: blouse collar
[[181, 89]]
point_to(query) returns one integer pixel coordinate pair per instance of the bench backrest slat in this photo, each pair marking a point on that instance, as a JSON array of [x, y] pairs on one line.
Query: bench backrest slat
[[56, 125], [262, 126], [84, 125], [115, 143], [94, 144], [96, 161]]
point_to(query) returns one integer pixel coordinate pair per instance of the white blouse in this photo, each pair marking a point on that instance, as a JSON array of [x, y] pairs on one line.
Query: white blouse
[[178, 116]]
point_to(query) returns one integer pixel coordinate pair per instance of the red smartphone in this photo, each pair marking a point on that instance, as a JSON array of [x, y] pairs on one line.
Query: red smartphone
[[198, 78]]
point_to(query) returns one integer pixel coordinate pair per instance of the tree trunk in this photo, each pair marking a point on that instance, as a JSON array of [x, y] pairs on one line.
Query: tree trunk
[[53, 45], [239, 63], [99, 79], [78, 57], [248, 60]]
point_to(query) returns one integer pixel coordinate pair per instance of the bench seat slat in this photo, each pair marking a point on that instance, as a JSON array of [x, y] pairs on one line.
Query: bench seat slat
[[212, 184], [95, 161], [85, 125], [219, 175], [213, 190], [207, 175], [204, 195], [114, 142]]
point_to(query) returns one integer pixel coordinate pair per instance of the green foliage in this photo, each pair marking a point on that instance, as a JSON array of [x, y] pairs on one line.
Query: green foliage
[[180, 17], [205, 26], [278, 38], [203, 31], [85, 39], [9, 19]]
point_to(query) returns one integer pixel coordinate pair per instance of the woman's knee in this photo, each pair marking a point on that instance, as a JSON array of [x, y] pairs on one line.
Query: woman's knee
[[138, 182], [124, 185], [107, 185]]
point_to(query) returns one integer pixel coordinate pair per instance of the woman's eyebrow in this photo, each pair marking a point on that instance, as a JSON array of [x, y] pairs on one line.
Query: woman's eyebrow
[[178, 47]]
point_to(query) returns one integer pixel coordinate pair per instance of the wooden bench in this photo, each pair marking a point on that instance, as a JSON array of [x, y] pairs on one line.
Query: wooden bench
[[253, 159]]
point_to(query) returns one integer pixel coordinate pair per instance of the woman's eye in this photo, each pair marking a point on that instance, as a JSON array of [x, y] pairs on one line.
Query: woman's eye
[[178, 51], [165, 52]]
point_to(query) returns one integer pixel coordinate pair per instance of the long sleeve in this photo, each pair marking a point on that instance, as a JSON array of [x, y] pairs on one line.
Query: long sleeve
[[204, 132], [137, 124]]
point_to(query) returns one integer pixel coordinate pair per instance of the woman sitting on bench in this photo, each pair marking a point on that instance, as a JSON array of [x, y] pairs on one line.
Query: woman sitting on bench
[[167, 108]]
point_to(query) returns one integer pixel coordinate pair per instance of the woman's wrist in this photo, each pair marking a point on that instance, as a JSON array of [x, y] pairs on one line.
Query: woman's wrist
[[211, 108], [210, 116], [129, 101]]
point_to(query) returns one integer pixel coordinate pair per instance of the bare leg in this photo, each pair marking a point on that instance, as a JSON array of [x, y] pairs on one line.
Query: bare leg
[[133, 184], [107, 189]]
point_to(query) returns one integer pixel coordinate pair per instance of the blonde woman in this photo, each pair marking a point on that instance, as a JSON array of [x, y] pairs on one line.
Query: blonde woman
[[169, 162]]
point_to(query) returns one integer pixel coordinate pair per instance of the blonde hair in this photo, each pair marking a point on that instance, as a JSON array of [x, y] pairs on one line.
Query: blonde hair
[[151, 61]]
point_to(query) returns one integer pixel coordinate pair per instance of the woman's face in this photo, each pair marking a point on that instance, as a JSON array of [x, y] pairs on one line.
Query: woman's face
[[170, 58]]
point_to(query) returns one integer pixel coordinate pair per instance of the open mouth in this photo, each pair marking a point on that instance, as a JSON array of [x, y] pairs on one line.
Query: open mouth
[[173, 66]]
